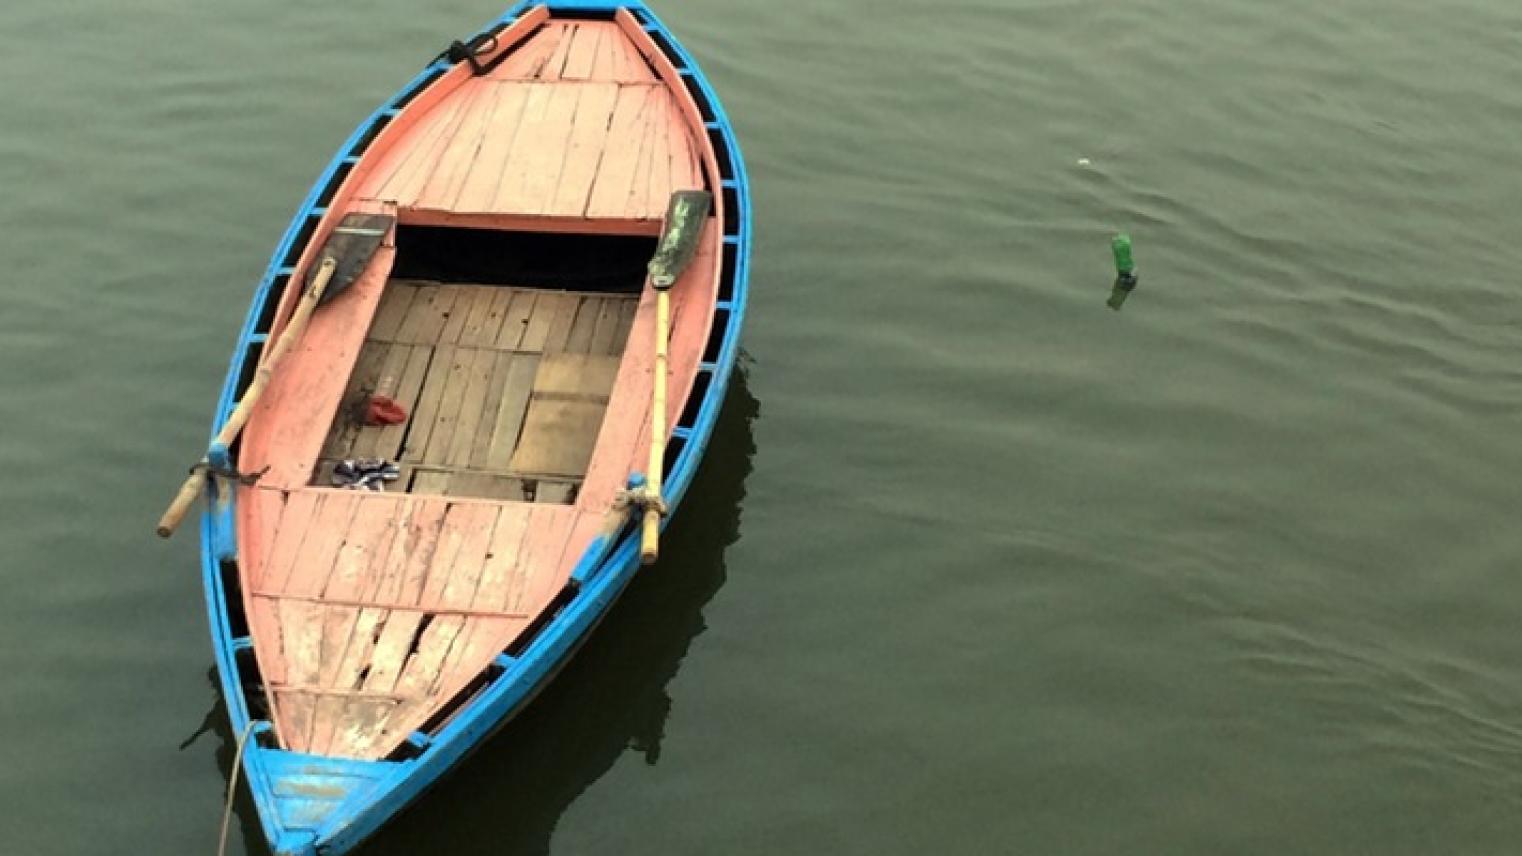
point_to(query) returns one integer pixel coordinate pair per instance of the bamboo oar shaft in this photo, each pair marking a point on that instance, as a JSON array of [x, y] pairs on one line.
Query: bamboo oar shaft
[[650, 542], [196, 482]]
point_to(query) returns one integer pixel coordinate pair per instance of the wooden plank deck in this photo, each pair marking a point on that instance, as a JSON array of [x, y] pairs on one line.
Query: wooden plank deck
[[574, 125], [505, 388], [377, 620]]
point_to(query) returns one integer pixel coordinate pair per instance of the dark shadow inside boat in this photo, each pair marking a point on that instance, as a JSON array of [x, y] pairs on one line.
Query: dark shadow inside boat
[[610, 699], [566, 261]]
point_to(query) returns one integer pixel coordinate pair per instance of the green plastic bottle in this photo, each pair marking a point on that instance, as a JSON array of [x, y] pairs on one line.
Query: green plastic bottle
[[1125, 271]]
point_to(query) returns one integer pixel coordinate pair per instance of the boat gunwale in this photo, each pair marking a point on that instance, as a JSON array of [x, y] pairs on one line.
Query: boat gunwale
[[605, 569]]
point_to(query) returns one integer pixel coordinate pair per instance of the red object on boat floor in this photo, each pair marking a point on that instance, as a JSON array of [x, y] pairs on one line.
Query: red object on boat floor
[[384, 410]]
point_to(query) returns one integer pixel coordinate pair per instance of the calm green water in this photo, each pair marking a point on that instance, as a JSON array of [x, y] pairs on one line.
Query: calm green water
[[976, 565]]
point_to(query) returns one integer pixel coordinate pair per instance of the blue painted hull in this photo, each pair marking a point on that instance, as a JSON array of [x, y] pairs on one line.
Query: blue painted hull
[[309, 804]]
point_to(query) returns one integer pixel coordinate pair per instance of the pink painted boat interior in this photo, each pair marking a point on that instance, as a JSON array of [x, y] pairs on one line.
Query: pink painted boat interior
[[508, 313]]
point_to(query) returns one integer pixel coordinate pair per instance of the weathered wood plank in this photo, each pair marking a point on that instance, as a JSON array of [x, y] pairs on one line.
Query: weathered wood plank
[[565, 413], [584, 148], [496, 385], [526, 61], [474, 648], [428, 315], [635, 200], [555, 492], [541, 148], [564, 308], [396, 301], [447, 416], [554, 69], [547, 306], [586, 43], [301, 623], [395, 643], [516, 388], [579, 338], [428, 404], [625, 328], [605, 329], [378, 362], [431, 482], [515, 320], [485, 336], [468, 427], [401, 170], [352, 569], [290, 539], [615, 175], [385, 441], [406, 186]]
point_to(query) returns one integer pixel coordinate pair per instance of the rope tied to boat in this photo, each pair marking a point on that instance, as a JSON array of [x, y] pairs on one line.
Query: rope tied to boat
[[232, 787], [470, 51], [640, 499], [229, 473]]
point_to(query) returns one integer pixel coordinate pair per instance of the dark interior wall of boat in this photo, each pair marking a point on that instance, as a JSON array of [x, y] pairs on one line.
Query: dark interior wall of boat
[[610, 263]]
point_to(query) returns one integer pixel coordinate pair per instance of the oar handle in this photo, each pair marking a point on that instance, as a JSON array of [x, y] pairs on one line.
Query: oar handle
[[175, 514], [650, 535], [180, 506]]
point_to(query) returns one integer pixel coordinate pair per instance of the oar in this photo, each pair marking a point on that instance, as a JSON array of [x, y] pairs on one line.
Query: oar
[[685, 217], [344, 257]]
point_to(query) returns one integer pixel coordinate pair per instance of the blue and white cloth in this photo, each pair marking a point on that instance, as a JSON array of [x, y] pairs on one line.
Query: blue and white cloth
[[365, 474]]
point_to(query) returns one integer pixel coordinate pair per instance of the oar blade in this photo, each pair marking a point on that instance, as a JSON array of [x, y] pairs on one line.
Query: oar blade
[[685, 216], [352, 245]]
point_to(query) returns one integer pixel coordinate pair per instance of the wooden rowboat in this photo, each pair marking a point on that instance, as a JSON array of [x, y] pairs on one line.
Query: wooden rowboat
[[366, 640]]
